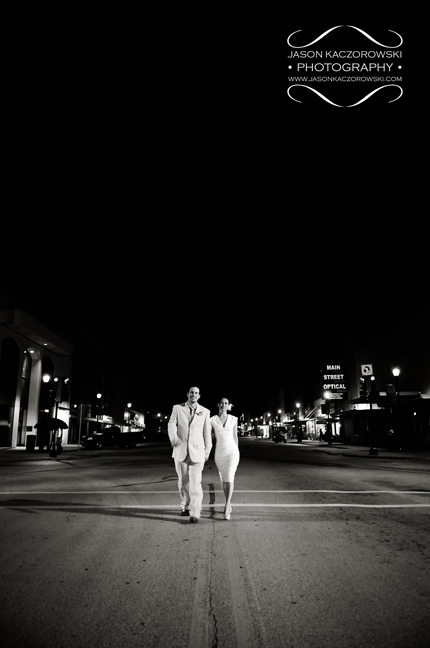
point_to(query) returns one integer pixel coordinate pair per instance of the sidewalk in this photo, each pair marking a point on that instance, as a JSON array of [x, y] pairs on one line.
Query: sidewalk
[[70, 451], [361, 451]]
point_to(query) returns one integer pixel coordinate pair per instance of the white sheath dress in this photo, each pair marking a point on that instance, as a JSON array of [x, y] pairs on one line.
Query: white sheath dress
[[226, 451]]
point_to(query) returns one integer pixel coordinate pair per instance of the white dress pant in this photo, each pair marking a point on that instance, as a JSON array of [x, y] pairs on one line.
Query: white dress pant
[[190, 485]]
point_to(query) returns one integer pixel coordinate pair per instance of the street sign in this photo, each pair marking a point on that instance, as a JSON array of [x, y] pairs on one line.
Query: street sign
[[334, 381], [335, 386], [367, 370]]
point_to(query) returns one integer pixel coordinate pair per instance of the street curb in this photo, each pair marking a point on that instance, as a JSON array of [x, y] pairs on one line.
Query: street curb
[[390, 458], [372, 456], [22, 456], [78, 456]]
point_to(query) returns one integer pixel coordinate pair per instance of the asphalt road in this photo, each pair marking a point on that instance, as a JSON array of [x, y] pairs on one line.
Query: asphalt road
[[327, 548]]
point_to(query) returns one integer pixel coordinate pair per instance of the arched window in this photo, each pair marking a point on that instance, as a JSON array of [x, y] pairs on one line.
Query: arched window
[[25, 390], [9, 362]]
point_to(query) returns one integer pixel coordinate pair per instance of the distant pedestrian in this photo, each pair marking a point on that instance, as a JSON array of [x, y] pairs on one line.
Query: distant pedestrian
[[189, 432], [226, 451]]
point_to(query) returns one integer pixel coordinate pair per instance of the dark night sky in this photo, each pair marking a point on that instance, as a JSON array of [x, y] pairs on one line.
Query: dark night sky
[[229, 239], [204, 226], [235, 320]]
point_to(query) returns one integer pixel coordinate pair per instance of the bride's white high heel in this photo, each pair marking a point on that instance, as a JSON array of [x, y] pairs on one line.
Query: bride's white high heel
[[227, 515]]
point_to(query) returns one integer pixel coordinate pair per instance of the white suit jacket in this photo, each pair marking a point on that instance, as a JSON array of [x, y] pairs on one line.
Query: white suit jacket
[[194, 435]]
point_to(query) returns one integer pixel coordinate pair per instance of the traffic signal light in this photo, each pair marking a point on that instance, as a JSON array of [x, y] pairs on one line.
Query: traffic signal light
[[363, 388]]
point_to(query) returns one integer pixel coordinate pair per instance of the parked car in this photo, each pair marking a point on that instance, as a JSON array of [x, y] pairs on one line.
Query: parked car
[[154, 435], [111, 436]]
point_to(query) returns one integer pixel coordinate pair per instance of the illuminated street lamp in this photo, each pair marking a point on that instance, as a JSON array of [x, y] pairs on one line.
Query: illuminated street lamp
[[396, 374], [298, 427], [372, 389], [98, 396], [128, 414], [46, 378]]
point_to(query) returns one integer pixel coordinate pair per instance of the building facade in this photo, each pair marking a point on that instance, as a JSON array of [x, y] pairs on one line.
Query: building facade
[[389, 396], [43, 374], [35, 371], [358, 399]]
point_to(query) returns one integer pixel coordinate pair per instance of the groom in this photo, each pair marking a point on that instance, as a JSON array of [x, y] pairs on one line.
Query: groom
[[189, 431]]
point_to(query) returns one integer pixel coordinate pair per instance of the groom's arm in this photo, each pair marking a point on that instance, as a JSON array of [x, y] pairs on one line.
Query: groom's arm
[[172, 428], [207, 434]]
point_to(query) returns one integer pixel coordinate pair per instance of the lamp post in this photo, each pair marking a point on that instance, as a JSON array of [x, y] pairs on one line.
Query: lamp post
[[41, 439], [98, 396], [127, 417], [396, 374], [395, 410], [327, 395], [299, 432], [80, 425]]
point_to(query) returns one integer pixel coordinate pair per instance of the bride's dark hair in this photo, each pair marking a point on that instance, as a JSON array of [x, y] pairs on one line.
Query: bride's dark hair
[[230, 405]]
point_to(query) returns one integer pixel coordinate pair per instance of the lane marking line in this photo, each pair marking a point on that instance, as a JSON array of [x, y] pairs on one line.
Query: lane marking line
[[175, 507], [199, 635], [165, 492]]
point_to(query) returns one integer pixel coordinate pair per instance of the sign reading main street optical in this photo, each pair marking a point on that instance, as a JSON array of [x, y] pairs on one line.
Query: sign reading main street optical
[[334, 380]]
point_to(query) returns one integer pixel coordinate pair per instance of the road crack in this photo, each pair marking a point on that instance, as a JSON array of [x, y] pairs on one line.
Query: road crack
[[212, 617]]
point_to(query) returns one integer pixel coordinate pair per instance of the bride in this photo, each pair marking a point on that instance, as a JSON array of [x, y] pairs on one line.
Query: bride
[[226, 450]]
